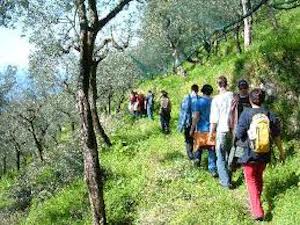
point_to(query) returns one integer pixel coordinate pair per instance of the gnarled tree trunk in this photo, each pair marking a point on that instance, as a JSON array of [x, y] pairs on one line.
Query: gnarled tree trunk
[[92, 171], [93, 101], [246, 5]]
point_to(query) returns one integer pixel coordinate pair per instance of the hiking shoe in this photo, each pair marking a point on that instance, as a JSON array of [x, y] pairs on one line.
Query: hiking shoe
[[196, 162], [214, 174], [228, 186], [259, 218]]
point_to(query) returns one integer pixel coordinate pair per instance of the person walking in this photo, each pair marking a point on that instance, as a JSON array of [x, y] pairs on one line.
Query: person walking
[[188, 106], [220, 109], [149, 104], [200, 123], [257, 126], [240, 102], [165, 112]]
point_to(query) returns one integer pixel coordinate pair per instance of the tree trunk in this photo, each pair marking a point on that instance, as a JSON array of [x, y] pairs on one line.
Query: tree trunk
[[4, 165], [246, 5], [38, 144], [118, 109], [237, 39], [18, 157], [177, 67], [93, 101], [109, 104], [92, 171]]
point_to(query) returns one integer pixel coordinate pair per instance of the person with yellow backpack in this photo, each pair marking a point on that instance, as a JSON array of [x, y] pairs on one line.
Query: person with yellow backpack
[[257, 126]]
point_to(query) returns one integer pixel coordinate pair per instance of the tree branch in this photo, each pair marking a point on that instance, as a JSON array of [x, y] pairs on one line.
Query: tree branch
[[93, 14], [101, 23]]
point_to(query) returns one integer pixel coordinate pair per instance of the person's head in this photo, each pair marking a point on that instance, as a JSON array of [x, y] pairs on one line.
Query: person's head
[[207, 89], [222, 82], [164, 93], [195, 88], [257, 97], [149, 92], [243, 87]]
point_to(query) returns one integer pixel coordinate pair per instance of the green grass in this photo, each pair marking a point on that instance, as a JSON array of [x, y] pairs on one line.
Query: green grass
[[148, 179]]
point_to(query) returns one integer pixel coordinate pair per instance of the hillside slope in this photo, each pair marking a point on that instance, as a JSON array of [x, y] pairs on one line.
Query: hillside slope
[[148, 177]]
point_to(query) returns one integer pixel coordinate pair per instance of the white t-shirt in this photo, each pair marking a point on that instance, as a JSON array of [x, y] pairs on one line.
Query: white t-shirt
[[220, 109]]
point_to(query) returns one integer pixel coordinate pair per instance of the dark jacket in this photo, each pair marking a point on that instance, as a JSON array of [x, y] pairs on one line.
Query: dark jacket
[[241, 134]]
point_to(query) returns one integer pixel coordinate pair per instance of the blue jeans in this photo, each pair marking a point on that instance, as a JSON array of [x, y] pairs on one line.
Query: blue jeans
[[211, 159], [150, 112], [223, 146]]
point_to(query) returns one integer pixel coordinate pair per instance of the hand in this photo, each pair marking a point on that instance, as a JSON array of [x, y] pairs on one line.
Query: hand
[[191, 132], [210, 137]]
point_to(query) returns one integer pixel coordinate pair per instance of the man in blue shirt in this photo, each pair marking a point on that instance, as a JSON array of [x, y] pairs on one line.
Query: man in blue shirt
[[188, 106], [201, 123]]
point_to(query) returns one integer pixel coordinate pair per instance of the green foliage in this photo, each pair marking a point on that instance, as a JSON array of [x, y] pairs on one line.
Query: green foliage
[[148, 179], [69, 206]]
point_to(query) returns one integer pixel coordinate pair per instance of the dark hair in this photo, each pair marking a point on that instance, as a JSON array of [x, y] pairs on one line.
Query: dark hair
[[195, 88], [207, 89], [222, 82], [164, 93], [243, 83], [257, 96]]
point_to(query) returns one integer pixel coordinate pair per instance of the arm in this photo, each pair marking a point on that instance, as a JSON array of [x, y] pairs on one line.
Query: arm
[[233, 113], [214, 117], [242, 126]]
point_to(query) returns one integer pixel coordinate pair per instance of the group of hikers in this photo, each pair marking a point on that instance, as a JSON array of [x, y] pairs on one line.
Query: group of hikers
[[234, 128], [140, 106]]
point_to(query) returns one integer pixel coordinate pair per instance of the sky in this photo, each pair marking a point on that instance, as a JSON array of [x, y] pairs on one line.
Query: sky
[[14, 49]]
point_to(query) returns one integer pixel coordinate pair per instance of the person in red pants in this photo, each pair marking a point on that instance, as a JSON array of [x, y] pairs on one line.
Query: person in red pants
[[256, 126]]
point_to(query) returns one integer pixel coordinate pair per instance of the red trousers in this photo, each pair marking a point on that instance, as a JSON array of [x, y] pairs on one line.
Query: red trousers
[[253, 173]]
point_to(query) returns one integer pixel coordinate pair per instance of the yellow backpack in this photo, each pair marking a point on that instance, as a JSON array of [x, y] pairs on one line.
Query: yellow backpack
[[259, 133]]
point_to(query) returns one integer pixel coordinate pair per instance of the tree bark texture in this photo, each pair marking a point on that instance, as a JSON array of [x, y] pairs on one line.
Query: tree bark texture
[[246, 5], [92, 171], [237, 39], [93, 100], [90, 25], [37, 142]]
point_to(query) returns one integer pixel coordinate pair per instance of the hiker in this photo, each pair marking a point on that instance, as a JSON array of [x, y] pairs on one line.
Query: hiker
[[165, 112], [239, 103], [220, 109], [141, 104], [188, 106], [132, 101], [149, 104], [256, 126], [200, 123]]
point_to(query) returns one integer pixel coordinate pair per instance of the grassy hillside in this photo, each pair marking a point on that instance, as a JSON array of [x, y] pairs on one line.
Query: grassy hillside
[[148, 179]]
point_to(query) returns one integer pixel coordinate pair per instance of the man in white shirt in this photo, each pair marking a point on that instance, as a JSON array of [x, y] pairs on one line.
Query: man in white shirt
[[220, 109]]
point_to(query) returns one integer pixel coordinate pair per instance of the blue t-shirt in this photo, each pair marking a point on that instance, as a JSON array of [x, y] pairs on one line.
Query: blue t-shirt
[[194, 99], [203, 107]]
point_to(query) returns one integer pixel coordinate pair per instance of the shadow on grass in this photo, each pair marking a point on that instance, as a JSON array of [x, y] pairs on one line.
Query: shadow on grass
[[275, 188], [172, 156]]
